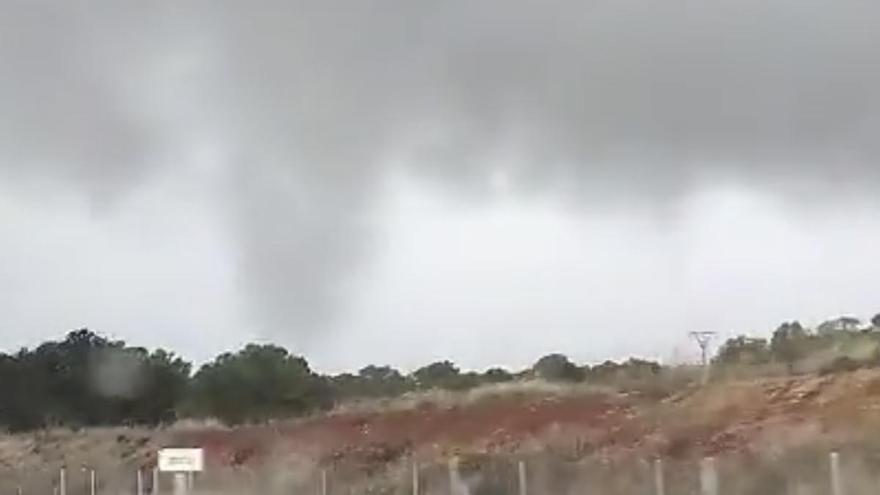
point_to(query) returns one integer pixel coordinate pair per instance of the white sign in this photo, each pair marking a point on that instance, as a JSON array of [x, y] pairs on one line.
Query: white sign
[[181, 460]]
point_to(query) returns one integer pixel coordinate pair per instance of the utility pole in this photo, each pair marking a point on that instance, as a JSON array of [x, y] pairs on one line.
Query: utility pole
[[704, 339]]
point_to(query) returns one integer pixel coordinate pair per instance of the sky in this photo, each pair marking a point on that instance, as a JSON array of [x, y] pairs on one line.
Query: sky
[[400, 182]]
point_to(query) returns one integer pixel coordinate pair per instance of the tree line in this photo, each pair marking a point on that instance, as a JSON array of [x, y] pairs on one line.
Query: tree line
[[839, 344], [86, 379]]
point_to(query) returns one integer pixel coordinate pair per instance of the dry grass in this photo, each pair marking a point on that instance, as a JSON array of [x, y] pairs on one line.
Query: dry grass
[[448, 398], [669, 381], [771, 435]]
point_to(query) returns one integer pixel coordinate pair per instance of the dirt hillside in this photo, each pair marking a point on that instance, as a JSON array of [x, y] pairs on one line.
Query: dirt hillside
[[737, 416]]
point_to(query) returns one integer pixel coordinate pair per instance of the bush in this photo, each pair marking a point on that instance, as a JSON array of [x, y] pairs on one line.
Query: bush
[[843, 364], [557, 368]]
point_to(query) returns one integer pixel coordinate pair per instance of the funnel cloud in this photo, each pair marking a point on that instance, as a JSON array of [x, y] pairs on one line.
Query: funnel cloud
[[293, 134]]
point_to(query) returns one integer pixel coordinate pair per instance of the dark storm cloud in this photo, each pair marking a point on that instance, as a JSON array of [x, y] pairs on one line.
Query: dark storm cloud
[[305, 102]]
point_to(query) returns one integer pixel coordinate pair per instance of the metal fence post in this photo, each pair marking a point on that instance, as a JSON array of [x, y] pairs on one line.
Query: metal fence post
[[836, 485], [523, 481], [155, 481], [453, 476], [93, 482], [62, 482], [180, 484], [708, 477], [139, 489], [415, 478], [323, 482], [659, 482]]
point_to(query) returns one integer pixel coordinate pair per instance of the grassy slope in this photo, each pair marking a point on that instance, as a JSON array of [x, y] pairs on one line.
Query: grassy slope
[[742, 416]]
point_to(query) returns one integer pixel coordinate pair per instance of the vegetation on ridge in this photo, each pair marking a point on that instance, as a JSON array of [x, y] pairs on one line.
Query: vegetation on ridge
[[88, 380]]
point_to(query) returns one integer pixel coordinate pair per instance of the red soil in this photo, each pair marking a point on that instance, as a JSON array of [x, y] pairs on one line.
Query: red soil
[[490, 425]]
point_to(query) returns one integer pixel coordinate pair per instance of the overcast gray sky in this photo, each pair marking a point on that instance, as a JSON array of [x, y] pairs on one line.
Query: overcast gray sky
[[399, 181]]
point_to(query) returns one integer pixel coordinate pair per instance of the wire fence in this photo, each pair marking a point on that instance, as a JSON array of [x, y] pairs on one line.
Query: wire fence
[[834, 474]]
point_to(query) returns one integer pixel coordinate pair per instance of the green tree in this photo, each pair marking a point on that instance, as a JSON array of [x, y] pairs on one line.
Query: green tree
[[557, 368], [258, 383], [629, 370], [744, 350], [465, 381], [88, 380], [840, 324], [442, 374], [789, 344], [346, 386], [497, 375], [641, 368], [382, 381], [606, 371], [165, 387], [21, 398]]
